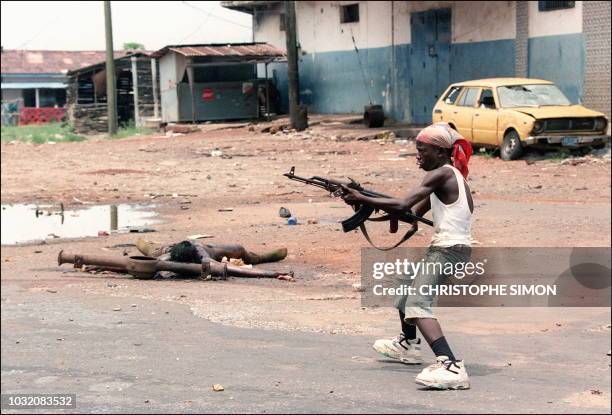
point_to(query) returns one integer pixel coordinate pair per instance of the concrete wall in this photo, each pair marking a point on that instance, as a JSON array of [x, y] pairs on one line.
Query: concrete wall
[[487, 40], [556, 48], [11, 94], [596, 27], [171, 69]]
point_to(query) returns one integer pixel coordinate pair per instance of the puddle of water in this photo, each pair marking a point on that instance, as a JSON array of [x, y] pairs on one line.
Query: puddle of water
[[27, 223]]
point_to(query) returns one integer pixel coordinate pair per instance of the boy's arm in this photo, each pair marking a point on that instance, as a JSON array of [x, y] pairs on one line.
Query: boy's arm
[[430, 183]]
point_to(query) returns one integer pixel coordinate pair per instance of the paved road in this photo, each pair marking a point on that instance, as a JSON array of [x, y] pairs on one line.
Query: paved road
[[157, 357]]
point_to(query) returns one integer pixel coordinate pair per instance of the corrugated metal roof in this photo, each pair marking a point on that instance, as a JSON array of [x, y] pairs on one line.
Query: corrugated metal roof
[[137, 54], [50, 61], [32, 85], [249, 6], [244, 51]]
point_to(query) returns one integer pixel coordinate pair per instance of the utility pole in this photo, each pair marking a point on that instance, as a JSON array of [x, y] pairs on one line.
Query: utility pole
[[292, 64], [111, 93]]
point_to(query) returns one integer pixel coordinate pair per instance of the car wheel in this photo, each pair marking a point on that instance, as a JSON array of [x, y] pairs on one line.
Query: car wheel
[[511, 148]]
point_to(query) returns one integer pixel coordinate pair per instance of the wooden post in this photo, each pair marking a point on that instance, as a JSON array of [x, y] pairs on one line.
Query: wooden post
[[292, 63], [190, 76], [134, 60], [154, 82], [111, 91], [93, 73], [267, 93]]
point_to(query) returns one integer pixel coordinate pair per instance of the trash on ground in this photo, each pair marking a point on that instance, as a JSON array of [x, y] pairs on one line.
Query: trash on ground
[[141, 230], [284, 213], [226, 210], [200, 236], [292, 221], [218, 388]]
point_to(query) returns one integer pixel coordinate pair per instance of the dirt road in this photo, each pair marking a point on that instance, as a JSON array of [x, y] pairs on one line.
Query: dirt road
[[546, 203]]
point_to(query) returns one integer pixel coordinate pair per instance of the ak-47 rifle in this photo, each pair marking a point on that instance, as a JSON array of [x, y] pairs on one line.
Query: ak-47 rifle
[[363, 212]]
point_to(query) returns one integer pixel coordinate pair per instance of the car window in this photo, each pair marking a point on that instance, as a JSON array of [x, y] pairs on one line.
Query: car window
[[468, 99], [530, 96], [486, 99], [452, 95]]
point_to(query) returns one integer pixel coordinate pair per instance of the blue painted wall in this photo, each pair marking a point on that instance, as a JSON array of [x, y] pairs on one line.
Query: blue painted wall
[[560, 59], [334, 82], [479, 60], [331, 82]]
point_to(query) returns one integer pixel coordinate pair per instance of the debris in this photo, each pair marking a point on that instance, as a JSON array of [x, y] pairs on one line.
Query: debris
[[292, 221], [184, 207], [38, 252], [596, 392], [357, 287], [312, 221], [218, 388], [103, 233], [558, 324], [117, 309], [284, 213], [52, 235], [582, 188], [51, 291], [229, 209], [286, 277], [181, 128], [141, 230], [536, 187], [200, 236], [116, 246], [216, 153]]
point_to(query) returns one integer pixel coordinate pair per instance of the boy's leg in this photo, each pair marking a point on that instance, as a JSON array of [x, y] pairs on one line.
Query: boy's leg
[[408, 329], [432, 332]]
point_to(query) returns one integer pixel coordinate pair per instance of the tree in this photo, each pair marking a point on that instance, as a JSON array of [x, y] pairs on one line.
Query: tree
[[133, 46]]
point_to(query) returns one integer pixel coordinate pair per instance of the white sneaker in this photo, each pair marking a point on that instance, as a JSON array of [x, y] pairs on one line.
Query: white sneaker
[[444, 374], [402, 349]]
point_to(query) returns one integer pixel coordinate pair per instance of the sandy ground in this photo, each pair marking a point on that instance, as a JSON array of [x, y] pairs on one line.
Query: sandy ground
[[542, 202]]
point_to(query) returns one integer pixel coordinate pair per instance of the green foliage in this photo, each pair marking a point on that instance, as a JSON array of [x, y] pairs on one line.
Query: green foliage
[[40, 134], [486, 152], [130, 130], [133, 46]]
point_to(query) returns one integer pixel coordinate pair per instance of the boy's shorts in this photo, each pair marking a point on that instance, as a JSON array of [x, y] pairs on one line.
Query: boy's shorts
[[419, 305]]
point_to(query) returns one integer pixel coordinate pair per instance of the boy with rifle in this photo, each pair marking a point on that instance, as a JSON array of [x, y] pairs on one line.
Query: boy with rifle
[[444, 155]]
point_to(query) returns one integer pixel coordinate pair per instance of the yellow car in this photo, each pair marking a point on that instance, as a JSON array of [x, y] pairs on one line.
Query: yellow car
[[513, 113]]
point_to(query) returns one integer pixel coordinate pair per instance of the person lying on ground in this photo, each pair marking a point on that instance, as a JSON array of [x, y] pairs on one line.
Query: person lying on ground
[[196, 253]]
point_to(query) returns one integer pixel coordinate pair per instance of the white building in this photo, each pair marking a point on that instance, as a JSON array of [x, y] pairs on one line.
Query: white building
[[409, 51]]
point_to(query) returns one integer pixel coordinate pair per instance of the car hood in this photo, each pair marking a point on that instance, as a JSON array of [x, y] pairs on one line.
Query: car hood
[[557, 111]]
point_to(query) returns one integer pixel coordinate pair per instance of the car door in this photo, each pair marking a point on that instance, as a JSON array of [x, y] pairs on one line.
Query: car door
[[463, 113], [484, 121], [443, 110]]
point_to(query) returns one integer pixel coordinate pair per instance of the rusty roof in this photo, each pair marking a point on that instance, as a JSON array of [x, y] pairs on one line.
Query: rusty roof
[[241, 51], [50, 61], [249, 6]]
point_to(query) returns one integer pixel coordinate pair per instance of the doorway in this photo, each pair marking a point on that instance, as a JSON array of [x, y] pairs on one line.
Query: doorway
[[429, 61]]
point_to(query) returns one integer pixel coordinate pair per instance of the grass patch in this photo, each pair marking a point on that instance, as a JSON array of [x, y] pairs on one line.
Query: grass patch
[[130, 130], [40, 134], [487, 153]]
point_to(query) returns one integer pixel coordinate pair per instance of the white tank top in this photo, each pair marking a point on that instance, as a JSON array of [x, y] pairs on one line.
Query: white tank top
[[452, 223]]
